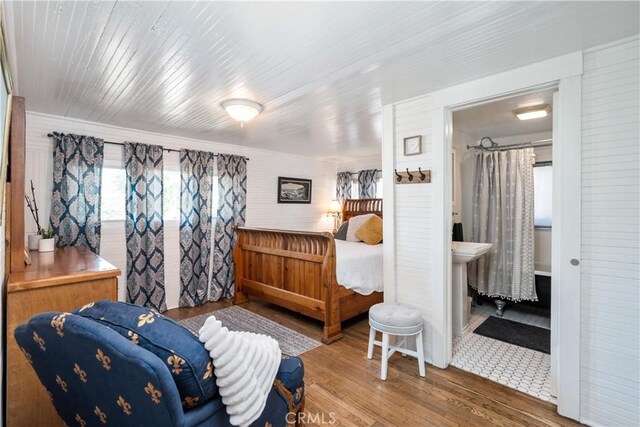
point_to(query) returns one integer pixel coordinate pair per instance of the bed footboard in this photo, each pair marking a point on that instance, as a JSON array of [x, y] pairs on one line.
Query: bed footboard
[[295, 270]]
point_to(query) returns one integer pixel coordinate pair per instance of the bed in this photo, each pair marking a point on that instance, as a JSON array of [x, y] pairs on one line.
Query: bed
[[298, 270]]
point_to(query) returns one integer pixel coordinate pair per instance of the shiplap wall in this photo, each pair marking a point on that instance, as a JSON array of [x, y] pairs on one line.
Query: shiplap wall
[[610, 293], [263, 171], [413, 216], [363, 163]]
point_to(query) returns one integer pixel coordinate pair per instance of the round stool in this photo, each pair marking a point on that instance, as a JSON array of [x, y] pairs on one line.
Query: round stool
[[398, 320]]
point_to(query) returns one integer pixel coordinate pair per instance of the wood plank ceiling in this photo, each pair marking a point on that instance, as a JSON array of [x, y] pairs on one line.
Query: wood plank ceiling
[[321, 70]]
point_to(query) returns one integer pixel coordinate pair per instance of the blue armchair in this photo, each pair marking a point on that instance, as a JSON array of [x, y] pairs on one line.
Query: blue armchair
[[95, 376]]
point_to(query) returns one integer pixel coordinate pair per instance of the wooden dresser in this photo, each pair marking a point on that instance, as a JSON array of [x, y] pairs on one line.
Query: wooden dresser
[[55, 281]]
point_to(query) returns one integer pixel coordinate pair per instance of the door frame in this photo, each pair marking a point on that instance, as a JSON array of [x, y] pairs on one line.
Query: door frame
[[564, 72]]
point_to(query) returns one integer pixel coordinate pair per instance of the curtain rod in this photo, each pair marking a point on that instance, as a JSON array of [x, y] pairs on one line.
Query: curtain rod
[[168, 150], [495, 147]]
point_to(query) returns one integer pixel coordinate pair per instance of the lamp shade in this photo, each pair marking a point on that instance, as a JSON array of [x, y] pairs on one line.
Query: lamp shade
[[334, 207], [242, 110]]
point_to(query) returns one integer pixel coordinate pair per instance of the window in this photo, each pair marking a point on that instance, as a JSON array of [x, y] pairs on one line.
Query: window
[[543, 192], [114, 194], [171, 196], [214, 203], [355, 186]]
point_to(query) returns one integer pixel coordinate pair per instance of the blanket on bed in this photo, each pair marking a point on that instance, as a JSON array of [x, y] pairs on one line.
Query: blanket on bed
[[359, 266], [245, 364]]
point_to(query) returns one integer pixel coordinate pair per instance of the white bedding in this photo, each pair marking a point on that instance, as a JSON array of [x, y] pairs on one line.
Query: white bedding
[[359, 266]]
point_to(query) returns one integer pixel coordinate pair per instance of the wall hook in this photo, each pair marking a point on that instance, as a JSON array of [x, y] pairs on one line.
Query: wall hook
[[398, 176], [409, 175], [422, 175]]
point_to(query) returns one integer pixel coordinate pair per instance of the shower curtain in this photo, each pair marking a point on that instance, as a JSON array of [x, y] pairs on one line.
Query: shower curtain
[[503, 215]]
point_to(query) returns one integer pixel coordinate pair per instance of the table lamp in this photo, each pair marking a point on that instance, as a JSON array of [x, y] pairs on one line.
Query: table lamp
[[335, 211]]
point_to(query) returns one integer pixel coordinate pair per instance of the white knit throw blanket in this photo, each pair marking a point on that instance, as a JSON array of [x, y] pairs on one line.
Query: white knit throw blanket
[[245, 365]]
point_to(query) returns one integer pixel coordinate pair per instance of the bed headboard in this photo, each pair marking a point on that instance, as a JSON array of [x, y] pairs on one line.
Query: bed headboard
[[355, 207]]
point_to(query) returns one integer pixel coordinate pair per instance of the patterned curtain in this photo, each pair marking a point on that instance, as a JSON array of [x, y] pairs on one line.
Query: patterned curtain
[[367, 183], [503, 215], [144, 226], [196, 177], [343, 186], [77, 177], [232, 206]]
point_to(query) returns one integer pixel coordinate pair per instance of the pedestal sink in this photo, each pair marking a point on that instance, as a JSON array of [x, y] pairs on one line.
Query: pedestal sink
[[461, 254]]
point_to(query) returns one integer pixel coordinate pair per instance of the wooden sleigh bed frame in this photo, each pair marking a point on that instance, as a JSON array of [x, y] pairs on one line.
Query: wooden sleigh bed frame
[[297, 270]]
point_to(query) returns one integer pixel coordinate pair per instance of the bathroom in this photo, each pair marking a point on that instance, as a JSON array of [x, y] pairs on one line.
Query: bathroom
[[502, 201]]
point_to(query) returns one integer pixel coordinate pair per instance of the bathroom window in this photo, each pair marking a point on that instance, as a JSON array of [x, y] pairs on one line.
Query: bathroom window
[[543, 192]]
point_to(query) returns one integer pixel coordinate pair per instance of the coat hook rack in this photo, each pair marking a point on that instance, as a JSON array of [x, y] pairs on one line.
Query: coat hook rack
[[413, 177], [410, 175]]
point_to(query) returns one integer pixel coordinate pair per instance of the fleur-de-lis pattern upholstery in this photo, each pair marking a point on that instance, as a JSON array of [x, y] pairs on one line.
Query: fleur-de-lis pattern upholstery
[[139, 388], [232, 207], [75, 202], [196, 196], [181, 351], [144, 225]]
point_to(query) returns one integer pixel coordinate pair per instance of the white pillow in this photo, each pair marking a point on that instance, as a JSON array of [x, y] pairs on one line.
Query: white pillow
[[354, 224]]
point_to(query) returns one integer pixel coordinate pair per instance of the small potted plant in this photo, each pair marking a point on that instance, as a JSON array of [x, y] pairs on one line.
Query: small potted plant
[[47, 242], [33, 238]]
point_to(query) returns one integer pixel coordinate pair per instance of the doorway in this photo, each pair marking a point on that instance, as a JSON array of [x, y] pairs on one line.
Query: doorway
[[502, 214], [565, 73]]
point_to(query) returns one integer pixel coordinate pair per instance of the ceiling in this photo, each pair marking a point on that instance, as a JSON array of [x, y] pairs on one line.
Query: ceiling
[[321, 70], [496, 119]]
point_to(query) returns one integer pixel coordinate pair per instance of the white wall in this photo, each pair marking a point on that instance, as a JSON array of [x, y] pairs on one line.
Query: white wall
[[413, 256], [463, 170], [465, 160], [263, 169], [363, 163], [610, 293]]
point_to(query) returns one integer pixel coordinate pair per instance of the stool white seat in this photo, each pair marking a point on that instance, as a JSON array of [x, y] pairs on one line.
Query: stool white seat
[[398, 320]]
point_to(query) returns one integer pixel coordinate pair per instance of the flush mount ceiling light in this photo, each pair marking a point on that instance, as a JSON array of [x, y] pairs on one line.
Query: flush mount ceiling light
[[242, 110], [534, 112]]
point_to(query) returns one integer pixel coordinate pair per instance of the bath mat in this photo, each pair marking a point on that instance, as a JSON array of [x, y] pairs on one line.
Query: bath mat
[[521, 334], [237, 318]]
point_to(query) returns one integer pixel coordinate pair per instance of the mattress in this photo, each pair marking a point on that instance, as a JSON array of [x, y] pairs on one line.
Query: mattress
[[359, 266]]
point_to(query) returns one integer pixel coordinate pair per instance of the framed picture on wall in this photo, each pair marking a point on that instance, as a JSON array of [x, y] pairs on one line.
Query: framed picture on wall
[[294, 190], [413, 145]]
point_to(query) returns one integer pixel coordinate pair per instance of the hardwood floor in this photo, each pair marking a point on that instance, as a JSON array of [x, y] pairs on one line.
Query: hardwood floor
[[343, 385]]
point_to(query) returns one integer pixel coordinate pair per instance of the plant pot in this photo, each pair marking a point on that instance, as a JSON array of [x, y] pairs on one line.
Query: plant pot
[[33, 240], [47, 245]]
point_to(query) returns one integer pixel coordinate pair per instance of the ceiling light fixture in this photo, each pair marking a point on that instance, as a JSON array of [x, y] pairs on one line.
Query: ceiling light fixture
[[534, 112], [242, 110]]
